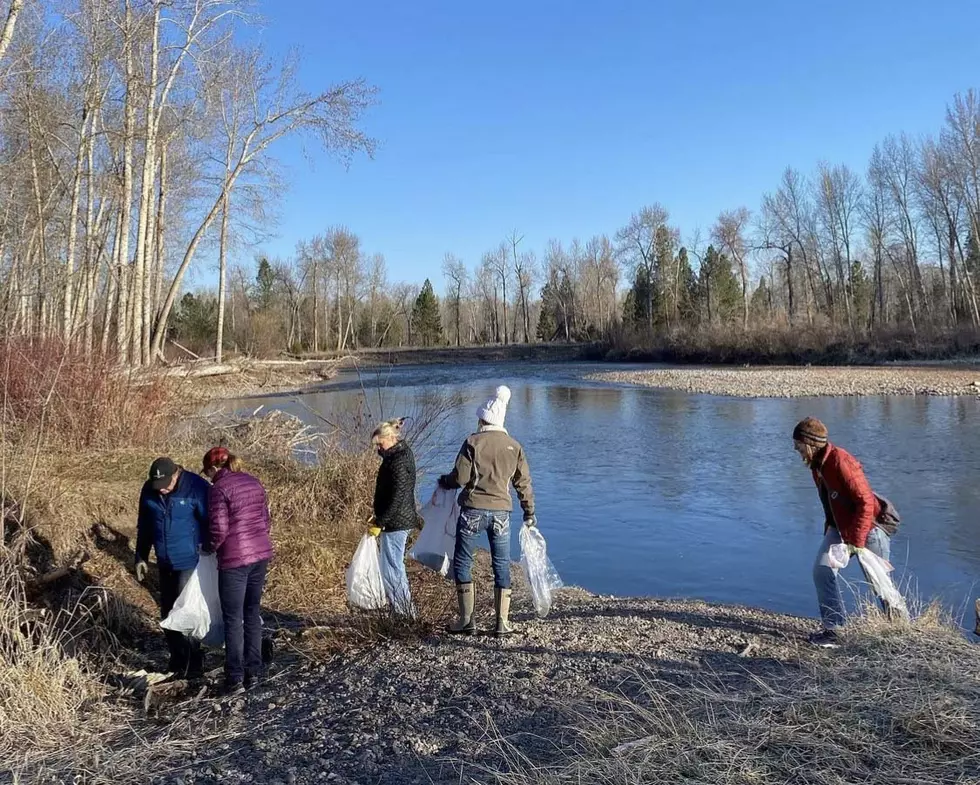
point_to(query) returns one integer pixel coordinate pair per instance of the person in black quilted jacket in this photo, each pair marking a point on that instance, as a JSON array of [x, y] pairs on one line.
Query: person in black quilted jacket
[[395, 513]]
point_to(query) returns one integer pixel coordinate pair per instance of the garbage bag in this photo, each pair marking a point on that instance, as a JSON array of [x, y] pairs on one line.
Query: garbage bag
[[436, 544], [364, 587], [876, 570], [197, 611], [541, 573]]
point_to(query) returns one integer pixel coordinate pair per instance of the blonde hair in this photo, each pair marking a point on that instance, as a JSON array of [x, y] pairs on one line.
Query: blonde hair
[[389, 429]]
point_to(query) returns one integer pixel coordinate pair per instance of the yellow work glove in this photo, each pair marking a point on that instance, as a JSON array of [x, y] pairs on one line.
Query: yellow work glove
[[854, 550], [374, 531]]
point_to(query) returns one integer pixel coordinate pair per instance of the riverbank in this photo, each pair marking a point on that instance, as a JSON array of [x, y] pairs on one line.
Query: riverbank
[[604, 690], [612, 690], [787, 382]]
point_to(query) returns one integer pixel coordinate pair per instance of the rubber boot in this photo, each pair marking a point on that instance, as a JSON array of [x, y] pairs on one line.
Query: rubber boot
[[501, 601], [464, 625]]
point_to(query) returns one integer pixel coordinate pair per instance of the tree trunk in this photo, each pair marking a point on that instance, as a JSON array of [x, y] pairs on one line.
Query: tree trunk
[[159, 254], [222, 276], [7, 34], [113, 284]]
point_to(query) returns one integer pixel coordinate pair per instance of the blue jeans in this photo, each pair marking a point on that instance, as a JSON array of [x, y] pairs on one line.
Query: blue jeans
[[393, 574], [825, 576], [240, 589], [472, 523]]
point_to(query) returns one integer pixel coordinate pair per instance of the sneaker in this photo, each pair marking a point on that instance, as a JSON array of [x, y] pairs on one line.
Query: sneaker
[[825, 639]]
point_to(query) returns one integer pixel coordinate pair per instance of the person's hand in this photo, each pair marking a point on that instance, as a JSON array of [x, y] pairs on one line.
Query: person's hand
[[854, 550], [444, 482], [530, 521], [141, 569], [374, 531]]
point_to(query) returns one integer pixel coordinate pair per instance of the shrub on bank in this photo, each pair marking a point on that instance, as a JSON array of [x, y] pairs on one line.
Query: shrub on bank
[[816, 344], [79, 400]]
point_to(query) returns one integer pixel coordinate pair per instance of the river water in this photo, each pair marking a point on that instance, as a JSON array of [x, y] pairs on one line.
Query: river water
[[662, 493]]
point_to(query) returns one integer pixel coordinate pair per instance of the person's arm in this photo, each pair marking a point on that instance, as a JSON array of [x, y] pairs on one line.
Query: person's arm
[[828, 512], [218, 517], [522, 484], [144, 529], [862, 499], [462, 472]]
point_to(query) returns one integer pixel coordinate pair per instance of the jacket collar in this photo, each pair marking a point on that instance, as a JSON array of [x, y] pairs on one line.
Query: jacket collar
[[396, 448], [821, 457], [486, 427]]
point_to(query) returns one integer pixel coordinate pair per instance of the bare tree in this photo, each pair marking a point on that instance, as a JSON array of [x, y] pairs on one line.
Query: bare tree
[[7, 32], [499, 263], [276, 108], [456, 275], [730, 232], [637, 245]]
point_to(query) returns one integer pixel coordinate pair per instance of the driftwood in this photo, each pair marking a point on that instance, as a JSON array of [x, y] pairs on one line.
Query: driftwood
[[77, 560]]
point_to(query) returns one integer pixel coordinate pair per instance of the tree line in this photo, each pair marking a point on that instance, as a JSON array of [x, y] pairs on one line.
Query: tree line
[[137, 139], [134, 133]]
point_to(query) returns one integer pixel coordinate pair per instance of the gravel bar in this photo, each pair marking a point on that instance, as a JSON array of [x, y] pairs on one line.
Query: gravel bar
[[777, 382]]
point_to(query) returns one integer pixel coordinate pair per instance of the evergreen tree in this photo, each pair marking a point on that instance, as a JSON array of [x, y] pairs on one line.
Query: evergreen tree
[[265, 283], [687, 288], [548, 319], [195, 322], [862, 292], [635, 306], [720, 290], [426, 320]]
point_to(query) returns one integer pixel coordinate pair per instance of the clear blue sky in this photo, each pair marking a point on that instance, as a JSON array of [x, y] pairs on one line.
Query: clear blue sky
[[561, 118]]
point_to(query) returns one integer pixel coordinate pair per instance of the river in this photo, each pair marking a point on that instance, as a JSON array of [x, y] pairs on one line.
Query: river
[[663, 493]]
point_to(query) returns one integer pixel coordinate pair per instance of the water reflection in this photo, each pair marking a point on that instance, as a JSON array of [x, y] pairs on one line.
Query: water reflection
[[650, 492]]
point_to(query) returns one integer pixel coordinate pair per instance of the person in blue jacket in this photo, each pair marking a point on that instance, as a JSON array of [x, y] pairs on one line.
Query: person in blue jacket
[[173, 521]]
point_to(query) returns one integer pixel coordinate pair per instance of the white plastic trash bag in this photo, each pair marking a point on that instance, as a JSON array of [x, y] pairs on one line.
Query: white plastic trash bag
[[876, 569], [541, 573], [436, 544], [197, 611], [364, 587]]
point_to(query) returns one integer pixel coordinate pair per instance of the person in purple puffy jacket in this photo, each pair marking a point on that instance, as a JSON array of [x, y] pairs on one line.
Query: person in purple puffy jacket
[[238, 513]]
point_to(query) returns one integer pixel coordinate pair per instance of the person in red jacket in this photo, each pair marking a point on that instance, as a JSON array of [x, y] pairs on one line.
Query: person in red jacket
[[851, 511], [238, 512]]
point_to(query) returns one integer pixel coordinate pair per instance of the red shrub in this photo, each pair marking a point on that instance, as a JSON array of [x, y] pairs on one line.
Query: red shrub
[[81, 401]]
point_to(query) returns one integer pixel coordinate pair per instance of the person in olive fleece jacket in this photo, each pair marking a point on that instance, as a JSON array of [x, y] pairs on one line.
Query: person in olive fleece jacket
[[395, 514], [488, 463], [239, 520], [173, 521]]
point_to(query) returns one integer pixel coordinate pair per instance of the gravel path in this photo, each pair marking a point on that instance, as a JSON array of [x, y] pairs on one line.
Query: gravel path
[[452, 710], [777, 382]]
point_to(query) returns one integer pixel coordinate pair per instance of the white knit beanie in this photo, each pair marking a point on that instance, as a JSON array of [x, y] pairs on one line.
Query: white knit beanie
[[494, 410]]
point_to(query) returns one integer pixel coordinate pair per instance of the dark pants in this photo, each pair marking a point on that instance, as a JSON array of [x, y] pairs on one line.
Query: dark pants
[[241, 593], [185, 653]]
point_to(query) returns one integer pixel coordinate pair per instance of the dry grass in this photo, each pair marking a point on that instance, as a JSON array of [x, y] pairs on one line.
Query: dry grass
[[897, 705]]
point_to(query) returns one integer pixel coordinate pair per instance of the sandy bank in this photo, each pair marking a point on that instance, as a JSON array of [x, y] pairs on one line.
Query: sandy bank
[[785, 382]]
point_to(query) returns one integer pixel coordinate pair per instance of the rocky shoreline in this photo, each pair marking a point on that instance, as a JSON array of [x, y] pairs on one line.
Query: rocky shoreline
[[794, 382], [448, 710]]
